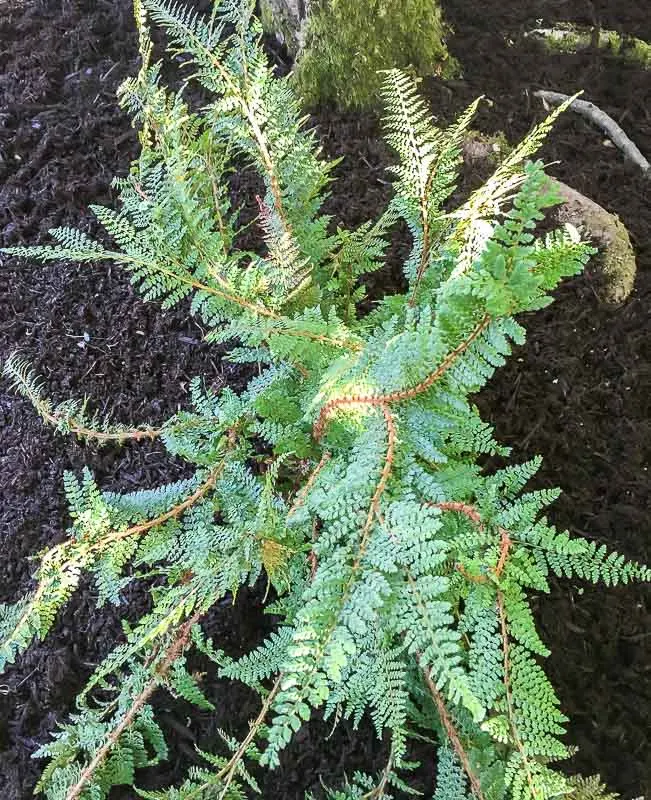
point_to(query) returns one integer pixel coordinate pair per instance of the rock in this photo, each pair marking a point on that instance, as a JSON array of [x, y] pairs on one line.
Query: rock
[[615, 265]]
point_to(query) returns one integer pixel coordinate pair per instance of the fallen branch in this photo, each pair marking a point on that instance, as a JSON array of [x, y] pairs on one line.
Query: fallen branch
[[607, 124]]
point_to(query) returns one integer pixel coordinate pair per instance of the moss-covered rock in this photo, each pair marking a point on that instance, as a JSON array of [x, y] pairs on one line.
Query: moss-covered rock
[[341, 46], [615, 266], [570, 38]]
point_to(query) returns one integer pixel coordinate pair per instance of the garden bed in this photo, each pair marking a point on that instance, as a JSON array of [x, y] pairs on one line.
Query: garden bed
[[578, 393]]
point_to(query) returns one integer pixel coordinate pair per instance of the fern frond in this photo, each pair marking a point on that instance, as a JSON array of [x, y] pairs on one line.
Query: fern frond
[[69, 417]]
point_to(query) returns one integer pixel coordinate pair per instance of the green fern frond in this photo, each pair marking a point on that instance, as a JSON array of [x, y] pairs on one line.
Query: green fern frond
[[590, 788]]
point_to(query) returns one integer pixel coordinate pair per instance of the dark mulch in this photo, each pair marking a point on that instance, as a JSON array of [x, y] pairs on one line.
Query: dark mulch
[[578, 392]]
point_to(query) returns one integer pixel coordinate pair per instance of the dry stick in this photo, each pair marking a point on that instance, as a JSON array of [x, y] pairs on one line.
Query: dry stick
[[452, 734], [403, 394], [607, 124], [174, 651]]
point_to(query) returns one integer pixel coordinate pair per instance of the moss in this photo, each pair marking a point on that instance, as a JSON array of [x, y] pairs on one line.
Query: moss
[[618, 266], [568, 38], [638, 52], [347, 43]]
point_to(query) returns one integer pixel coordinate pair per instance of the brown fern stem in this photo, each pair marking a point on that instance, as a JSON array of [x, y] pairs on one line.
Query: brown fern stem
[[506, 666], [403, 394], [461, 508], [378, 790], [424, 257], [173, 652], [312, 559], [452, 734], [301, 496], [374, 508], [473, 515], [505, 547], [230, 296], [228, 772], [173, 513], [114, 536], [366, 531], [79, 429]]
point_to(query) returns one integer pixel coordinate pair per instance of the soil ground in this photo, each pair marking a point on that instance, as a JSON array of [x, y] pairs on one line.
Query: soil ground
[[578, 393]]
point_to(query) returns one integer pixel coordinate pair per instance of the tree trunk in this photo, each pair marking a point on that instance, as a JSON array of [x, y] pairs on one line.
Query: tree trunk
[[288, 20]]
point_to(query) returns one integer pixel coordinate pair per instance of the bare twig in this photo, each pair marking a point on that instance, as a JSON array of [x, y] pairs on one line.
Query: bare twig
[[607, 124]]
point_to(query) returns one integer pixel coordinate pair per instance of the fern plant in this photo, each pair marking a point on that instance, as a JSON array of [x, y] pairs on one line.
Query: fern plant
[[400, 570]]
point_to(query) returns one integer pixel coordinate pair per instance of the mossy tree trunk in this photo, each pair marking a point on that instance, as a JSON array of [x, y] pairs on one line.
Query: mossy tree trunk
[[340, 46]]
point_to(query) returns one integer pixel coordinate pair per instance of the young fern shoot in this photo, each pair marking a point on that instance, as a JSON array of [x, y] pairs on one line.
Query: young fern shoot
[[402, 572]]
